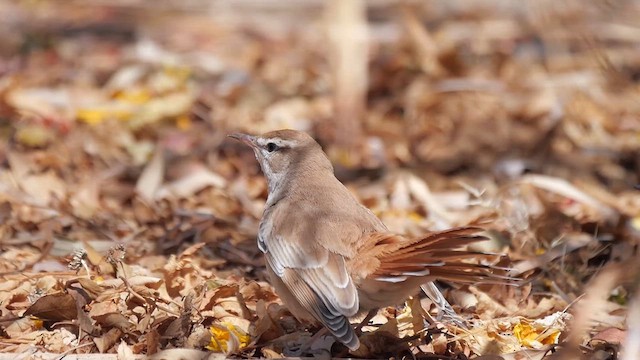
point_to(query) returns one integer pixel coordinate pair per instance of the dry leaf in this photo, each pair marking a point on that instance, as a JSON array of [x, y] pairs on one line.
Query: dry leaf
[[197, 179], [115, 319], [54, 307], [227, 338], [34, 135], [152, 342], [85, 201], [47, 103], [610, 335], [44, 187], [186, 354], [91, 287], [537, 122], [124, 352], [151, 178]]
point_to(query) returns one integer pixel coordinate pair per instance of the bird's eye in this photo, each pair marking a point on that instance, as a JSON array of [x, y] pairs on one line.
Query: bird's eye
[[271, 147]]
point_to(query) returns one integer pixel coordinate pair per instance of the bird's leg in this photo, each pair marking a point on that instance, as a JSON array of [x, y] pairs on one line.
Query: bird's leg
[[444, 308], [307, 347], [365, 321], [431, 321]]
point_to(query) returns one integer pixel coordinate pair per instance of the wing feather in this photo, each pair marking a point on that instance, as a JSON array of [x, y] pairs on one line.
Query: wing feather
[[321, 307], [319, 280]]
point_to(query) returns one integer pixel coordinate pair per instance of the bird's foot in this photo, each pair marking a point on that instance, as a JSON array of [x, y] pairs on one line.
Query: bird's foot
[[317, 344], [365, 321]]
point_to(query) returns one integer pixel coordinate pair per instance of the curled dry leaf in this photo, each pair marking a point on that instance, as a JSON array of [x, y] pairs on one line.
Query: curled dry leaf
[[266, 328], [91, 287]]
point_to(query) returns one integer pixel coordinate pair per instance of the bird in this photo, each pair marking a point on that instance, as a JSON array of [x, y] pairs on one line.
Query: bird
[[330, 258]]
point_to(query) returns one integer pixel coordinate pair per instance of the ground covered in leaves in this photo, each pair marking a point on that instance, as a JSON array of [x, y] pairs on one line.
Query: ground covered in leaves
[[128, 219]]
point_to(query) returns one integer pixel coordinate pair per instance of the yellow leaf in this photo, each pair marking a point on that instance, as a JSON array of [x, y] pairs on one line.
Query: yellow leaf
[[535, 336], [122, 115], [94, 116], [37, 323], [551, 338], [34, 135], [414, 216], [183, 122], [525, 334], [180, 73], [91, 116], [227, 337], [135, 96], [343, 157]]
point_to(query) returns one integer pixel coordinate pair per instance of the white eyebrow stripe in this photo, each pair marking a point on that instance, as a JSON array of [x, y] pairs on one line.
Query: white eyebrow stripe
[[285, 143], [263, 141]]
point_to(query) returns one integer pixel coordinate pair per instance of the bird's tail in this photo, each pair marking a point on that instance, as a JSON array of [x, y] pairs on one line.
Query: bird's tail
[[441, 255]]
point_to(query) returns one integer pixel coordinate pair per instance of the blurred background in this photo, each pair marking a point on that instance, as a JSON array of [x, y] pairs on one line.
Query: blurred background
[[114, 116]]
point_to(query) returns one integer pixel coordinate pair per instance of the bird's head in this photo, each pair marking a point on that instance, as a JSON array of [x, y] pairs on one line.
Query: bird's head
[[283, 154]]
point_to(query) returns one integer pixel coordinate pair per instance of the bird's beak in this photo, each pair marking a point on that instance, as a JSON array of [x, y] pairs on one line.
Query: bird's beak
[[244, 138]]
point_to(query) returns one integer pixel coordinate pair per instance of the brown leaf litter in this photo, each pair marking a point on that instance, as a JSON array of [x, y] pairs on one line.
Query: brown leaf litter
[[128, 222]]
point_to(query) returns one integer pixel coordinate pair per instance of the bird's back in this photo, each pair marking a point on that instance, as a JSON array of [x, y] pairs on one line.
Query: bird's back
[[339, 220]]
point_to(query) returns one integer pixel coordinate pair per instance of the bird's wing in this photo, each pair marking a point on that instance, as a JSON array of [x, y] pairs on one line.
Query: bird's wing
[[307, 241], [319, 280]]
